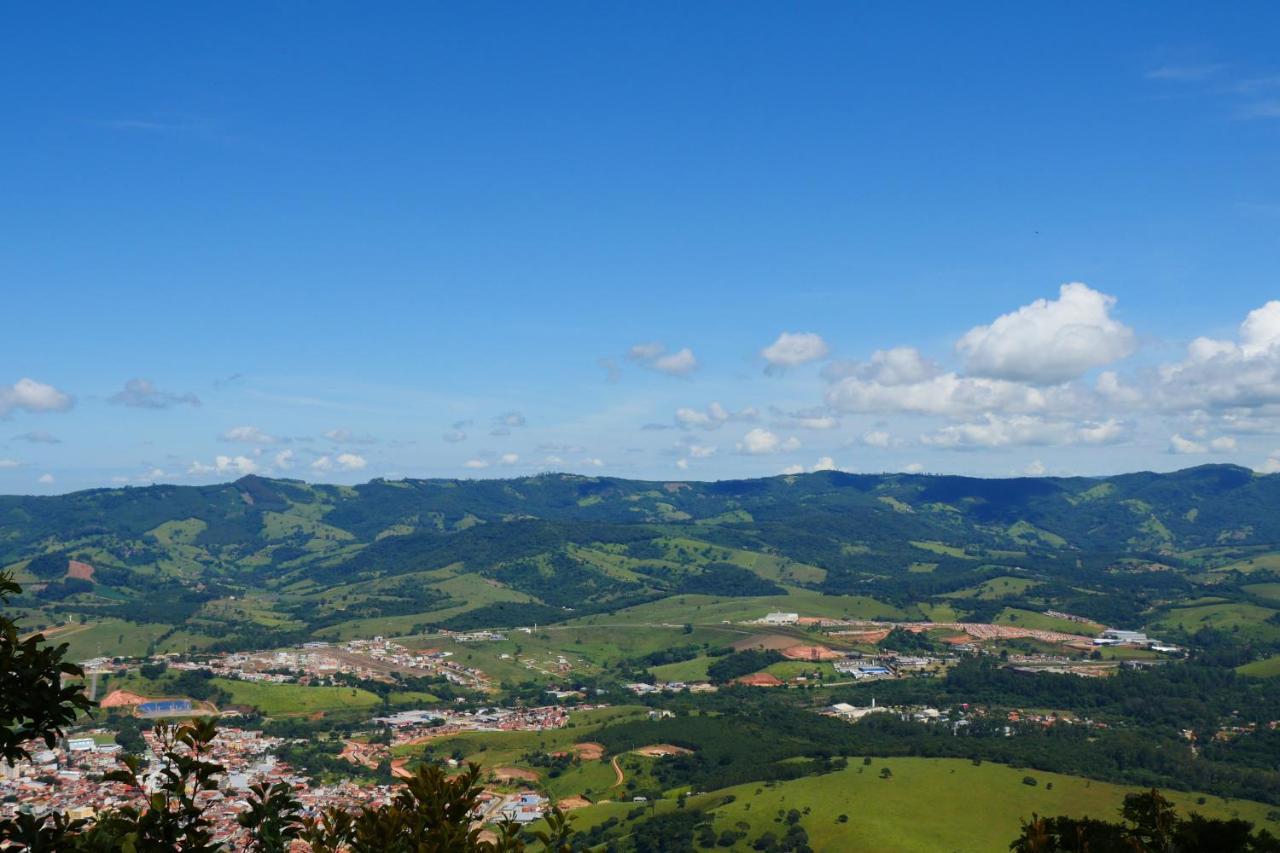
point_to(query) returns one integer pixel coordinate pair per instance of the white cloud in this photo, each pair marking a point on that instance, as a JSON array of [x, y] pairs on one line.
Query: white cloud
[[10, 463], [341, 462], [794, 349], [713, 417], [509, 458], [1034, 469], [453, 436], [895, 366], [654, 355], [594, 462], [945, 394], [792, 470], [143, 394], [700, 451], [1271, 465], [225, 465], [1101, 432], [1180, 445], [45, 479], [679, 363], [1049, 341], [476, 463], [284, 460], [825, 463], [32, 396], [249, 435], [1223, 444], [552, 460], [877, 438], [1219, 375], [761, 441], [1023, 430], [913, 468], [682, 464]]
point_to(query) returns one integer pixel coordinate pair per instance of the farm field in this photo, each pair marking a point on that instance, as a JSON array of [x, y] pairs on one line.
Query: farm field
[[288, 699], [708, 609], [1265, 668], [1041, 622], [926, 806], [1248, 619]]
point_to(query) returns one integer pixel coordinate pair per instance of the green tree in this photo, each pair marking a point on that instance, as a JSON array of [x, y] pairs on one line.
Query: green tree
[[34, 703]]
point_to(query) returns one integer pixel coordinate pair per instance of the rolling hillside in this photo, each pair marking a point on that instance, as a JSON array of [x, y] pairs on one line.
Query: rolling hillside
[[266, 561]]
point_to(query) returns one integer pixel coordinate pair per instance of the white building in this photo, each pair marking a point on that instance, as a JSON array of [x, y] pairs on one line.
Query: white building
[[780, 618]]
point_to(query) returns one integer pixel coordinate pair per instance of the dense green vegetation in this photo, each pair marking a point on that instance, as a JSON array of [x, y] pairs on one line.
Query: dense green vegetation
[[264, 562]]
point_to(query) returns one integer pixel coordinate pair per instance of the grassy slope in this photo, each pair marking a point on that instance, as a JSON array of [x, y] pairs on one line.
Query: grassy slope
[[929, 805]]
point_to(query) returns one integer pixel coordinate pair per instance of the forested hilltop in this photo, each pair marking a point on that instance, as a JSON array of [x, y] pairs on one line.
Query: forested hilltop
[[263, 560]]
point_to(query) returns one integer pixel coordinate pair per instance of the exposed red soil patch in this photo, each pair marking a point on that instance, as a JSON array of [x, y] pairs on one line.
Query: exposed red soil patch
[[570, 803], [759, 679], [810, 653], [588, 751], [77, 569], [507, 774], [121, 699]]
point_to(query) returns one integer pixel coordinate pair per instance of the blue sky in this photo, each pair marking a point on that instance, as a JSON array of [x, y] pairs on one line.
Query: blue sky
[[325, 242]]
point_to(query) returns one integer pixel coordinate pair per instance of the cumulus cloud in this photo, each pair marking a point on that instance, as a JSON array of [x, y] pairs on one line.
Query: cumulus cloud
[[1219, 374], [679, 363], [654, 355], [1049, 341], [284, 460], [877, 438], [760, 441], [45, 480], [682, 464], [1035, 468], [945, 394], [38, 436], [793, 349], [824, 463], [476, 463], [1180, 445], [509, 458], [31, 396], [10, 463], [143, 394], [249, 435], [1023, 430], [225, 465], [1271, 465], [913, 468], [712, 417], [340, 462]]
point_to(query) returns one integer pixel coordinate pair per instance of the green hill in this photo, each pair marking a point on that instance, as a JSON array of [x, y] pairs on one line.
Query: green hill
[[262, 561]]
